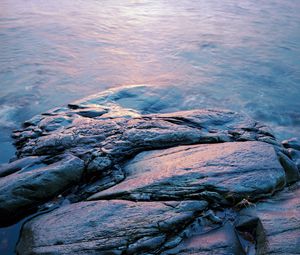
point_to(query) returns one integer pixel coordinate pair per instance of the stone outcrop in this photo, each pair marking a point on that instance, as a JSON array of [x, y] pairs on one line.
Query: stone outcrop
[[139, 178], [108, 227], [218, 172], [21, 190]]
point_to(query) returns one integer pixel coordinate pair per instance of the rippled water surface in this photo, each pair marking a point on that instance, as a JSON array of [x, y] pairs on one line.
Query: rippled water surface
[[241, 55]]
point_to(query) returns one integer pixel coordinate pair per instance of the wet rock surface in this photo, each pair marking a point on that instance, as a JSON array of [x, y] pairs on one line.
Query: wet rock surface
[[98, 227], [232, 170], [22, 190], [280, 218], [125, 174]]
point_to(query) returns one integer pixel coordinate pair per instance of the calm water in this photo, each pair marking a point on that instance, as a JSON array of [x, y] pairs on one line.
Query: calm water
[[241, 55]]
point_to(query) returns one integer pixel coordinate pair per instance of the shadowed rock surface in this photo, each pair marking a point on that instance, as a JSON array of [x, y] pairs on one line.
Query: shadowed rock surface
[[165, 182]]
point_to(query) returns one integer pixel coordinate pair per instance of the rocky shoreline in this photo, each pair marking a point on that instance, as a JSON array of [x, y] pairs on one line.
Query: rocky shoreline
[[124, 174]]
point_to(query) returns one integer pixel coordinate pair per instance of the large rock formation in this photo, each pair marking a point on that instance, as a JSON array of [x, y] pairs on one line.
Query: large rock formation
[[21, 190], [216, 171], [109, 227], [163, 182]]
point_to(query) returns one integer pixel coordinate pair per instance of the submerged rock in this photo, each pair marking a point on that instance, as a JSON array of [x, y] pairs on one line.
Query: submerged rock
[[193, 169]]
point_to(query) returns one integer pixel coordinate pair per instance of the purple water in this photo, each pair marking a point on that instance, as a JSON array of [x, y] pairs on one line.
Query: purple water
[[240, 55]]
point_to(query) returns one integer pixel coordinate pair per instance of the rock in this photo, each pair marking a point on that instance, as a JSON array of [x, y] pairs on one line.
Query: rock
[[292, 143], [194, 170], [280, 218], [291, 170], [235, 170], [115, 121], [21, 191], [101, 183], [21, 164], [99, 164], [107, 227], [218, 240], [123, 137], [251, 234], [106, 142], [54, 122], [295, 156]]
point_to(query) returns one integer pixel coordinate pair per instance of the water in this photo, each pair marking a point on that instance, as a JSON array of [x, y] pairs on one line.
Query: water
[[240, 55]]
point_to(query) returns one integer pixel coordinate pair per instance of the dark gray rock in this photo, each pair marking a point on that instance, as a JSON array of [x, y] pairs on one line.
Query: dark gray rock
[[291, 170], [105, 143], [107, 227], [235, 170], [295, 156], [115, 121], [23, 190], [21, 164], [98, 164], [91, 112], [251, 234]]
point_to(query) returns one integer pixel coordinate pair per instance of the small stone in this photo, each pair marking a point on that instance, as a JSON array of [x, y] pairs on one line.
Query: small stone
[[99, 164]]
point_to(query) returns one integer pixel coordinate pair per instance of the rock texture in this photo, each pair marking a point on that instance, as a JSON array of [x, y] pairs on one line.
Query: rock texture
[[22, 190], [280, 218], [143, 179], [98, 227], [216, 172]]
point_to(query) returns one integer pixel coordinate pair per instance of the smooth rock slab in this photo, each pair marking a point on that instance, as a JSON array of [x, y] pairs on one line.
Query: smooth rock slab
[[22, 190], [107, 227], [233, 170]]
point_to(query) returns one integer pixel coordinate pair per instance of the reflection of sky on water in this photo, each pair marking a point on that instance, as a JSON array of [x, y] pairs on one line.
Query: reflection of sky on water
[[241, 55]]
